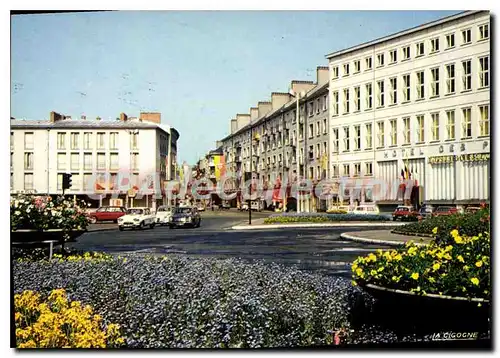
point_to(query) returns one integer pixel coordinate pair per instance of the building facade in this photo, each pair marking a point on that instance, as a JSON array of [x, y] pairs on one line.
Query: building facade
[[414, 105], [106, 158]]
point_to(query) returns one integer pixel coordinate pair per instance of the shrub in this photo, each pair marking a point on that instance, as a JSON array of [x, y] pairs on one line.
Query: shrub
[[173, 301], [43, 213], [58, 323], [320, 218], [458, 269]]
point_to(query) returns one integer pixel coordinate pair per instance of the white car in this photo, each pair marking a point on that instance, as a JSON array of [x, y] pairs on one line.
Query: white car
[[366, 210], [164, 215], [136, 218]]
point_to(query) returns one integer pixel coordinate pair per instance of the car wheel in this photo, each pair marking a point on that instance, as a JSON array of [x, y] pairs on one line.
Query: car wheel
[[152, 226], [394, 219], [121, 228], [93, 219], [171, 227], [141, 226]]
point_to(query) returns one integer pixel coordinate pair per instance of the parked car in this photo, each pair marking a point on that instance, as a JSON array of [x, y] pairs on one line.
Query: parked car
[[345, 208], [244, 206], [472, 209], [200, 207], [136, 218], [107, 213], [225, 205], [425, 211], [256, 205], [164, 215], [185, 216], [405, 213], [366, 210], [445, 211]]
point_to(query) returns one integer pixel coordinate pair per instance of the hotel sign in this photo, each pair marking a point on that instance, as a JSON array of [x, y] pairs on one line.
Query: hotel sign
[[476, 157]]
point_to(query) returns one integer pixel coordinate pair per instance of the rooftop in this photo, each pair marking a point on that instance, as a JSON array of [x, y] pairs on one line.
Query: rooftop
[[90, 124]]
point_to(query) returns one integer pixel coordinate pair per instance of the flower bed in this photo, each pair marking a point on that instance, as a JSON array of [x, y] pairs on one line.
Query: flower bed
[[172, 301], [441, 226], [320, 218]]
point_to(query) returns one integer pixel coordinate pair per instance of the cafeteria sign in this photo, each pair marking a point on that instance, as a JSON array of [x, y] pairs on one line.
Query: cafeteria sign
[[477, 157]]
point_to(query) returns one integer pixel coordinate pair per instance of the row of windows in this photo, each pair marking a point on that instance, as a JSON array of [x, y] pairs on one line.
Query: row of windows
[[405, 53], [433, 121], [420, 85], [368, 170]]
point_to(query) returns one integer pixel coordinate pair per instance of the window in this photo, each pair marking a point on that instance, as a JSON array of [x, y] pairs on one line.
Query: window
[[380, 93], [435, 82], [134, 161], [346, 100], [406, 127], [87, 161], [357, 138], [484, 32], [61, 141], [87, 182], [335, 140], [369, 169], [420, 85], [435, 126], [325, 129], [393, 55], [435, 45], [335, 71], [87, 140], [346, 170], [346, 69], [466, 123], [61, 161], [357, 169], [75, 182], [484, 120], [420, 49], [325, 103], [357, 99], [311, 130], [420, 129], [484, 72], [113, 140], [335, 170], [466, 37], [75, 161], [11, 181], [394, 132], [28, 161], [406, 53], [346, 139], [369, 136], [335, 102], [466, 75], [381, 134], [325, 151], [318, 150], [394, 90], [450, 125], [357, 66], [368, 63], [450, 41], [406, 88], [380, 59], [28, 181], [75, 140], [100, 140], [134, 141], [11, 140], [11, 160], [113, 161], [369, 96], [311, 108], [317, 105], [450, 78], [101, 161], [318, 128]]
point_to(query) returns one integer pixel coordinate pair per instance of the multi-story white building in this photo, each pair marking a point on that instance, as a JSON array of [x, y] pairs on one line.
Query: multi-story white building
[[418, 99], [105, 158]]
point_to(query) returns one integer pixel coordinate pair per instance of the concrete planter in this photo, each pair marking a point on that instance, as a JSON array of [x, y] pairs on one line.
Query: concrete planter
[[29, 236]]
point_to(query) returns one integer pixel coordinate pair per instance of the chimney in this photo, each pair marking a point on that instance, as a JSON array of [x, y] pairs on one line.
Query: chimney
[[123, 117], [154, 117], [54, 117], [264, 108], [242, 120], [278, 99], [234, 126], [322, 76], [299, 86], [254, 113]]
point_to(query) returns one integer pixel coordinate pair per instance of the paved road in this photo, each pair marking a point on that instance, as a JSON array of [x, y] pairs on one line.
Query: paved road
[[318, 249]]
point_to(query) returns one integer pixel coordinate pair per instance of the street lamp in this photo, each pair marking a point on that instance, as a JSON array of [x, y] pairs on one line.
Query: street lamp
[[297, 96]]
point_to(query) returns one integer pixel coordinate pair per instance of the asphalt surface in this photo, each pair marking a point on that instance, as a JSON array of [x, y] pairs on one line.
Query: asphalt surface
[[316, 249]]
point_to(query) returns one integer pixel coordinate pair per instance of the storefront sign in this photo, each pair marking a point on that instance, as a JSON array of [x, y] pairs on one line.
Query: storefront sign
[[442, 159], [475, 157]]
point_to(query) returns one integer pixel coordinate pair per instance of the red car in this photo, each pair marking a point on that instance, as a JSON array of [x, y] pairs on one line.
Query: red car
[[107, 213], [405, 213], [445, 211]]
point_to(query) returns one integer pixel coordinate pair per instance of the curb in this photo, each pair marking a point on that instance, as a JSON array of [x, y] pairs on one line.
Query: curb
[[377, 241], [412, 234], [312, 225], [102, 229]]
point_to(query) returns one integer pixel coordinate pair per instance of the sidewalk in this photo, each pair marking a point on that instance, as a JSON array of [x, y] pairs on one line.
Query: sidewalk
[[384, 237], [258, 224]]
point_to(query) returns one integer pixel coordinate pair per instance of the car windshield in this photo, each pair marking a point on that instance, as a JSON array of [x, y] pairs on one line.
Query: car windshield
[[402, 209], [183, 210], [135, 211]]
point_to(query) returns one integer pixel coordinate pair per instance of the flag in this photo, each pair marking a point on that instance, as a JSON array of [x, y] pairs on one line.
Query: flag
[[402, 173]]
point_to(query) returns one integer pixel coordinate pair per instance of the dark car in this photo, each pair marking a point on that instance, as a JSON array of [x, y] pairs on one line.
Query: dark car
[[107, 213], [425, 211], [185, 216], [405, 213], [445, 211]]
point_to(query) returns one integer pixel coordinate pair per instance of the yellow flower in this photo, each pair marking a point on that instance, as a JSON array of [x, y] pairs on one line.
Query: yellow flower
[[475, 281], [466, 268], [373, 272], [395, 278], [398, 257], [479, 263], [354, 283], [436, 266], [435, 230], [372, 257], [454, 233], [415, 275], [460, 258], [359, 271], [458, 240], [354, 266], [412, 250]]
